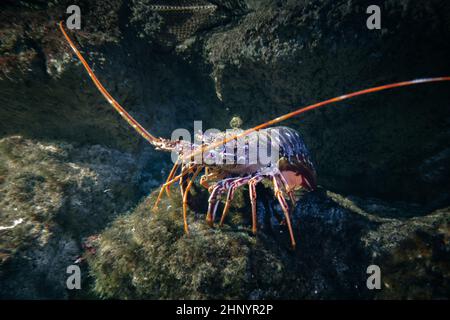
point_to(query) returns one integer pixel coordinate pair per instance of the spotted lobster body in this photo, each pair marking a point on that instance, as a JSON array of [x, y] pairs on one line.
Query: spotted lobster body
[[292, 170], [293, 160]]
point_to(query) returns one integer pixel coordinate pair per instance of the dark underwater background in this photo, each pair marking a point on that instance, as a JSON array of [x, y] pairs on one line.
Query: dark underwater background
[[75, 180]]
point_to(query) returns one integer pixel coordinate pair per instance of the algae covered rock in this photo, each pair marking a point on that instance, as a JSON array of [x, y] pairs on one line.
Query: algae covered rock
[[282, 55], [415, 256], [66, 171], [51, 196], [147, 255]]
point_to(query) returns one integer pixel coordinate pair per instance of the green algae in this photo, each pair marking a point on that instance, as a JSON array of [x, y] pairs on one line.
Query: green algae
[[147, 255]]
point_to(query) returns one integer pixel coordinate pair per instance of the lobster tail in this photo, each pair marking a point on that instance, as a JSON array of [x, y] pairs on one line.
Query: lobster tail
[[157, 142]]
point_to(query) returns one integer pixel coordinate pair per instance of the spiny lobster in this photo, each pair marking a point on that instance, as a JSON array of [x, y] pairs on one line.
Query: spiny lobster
[[294, 169]]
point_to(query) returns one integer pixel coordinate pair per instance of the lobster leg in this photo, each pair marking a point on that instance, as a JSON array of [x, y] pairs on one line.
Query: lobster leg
[[210, 176], [171, 174], [213, 200], [213, 203], [289, 191], [234, 185], [204, 179], [178, 178], [166, 186], [252, 189], [182, 180], [285, 208], [185, 196], [230, 195]]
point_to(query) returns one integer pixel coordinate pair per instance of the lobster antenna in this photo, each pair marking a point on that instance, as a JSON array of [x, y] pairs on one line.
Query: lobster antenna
[[318, 105], [123, 113]]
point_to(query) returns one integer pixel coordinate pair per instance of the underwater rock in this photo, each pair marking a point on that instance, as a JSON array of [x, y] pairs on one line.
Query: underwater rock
[[282, 55], [51, 196], [146, 255], [256, 60], [47, 95]]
